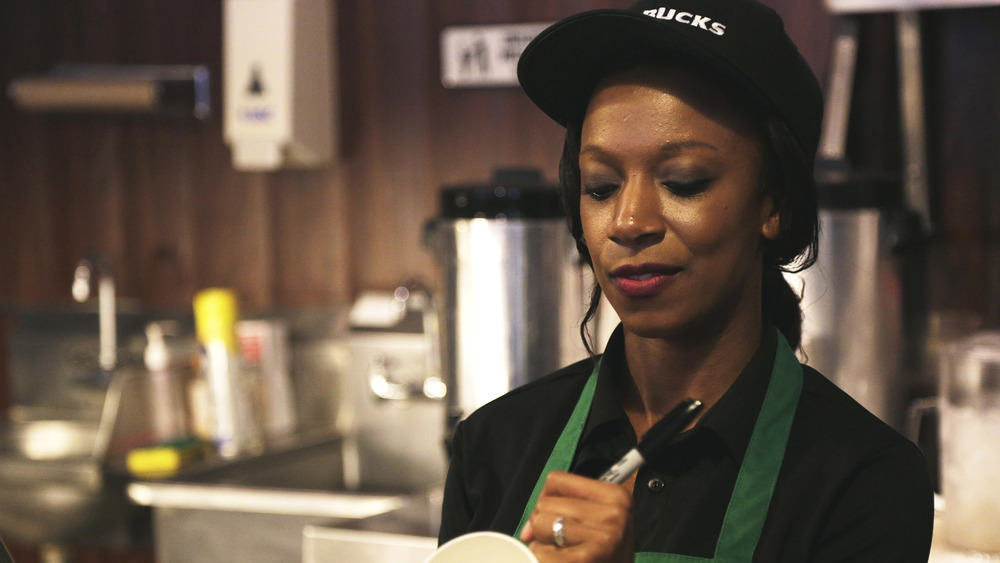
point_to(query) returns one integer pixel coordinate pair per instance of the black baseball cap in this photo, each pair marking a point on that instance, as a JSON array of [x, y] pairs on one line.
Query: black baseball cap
[[742, 42]]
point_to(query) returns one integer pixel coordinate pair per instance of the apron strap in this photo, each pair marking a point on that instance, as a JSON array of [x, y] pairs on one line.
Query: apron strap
[[565, 448], [758, 474]]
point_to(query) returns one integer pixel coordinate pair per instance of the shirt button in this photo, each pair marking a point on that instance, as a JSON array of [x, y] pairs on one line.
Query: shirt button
[[655, 485]]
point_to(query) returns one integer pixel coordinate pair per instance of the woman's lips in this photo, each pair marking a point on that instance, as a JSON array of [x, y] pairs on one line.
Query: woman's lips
[[643, 280]]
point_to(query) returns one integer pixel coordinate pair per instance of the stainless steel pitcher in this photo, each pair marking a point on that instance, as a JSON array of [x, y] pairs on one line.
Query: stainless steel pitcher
[[512, 289]]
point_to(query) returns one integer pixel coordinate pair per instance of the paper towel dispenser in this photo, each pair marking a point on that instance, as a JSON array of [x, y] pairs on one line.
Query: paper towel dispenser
[[279, 84], [170, 90]]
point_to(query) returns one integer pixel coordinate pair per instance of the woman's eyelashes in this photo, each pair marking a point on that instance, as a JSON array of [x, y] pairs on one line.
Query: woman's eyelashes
[[600, 191], [687, 188]]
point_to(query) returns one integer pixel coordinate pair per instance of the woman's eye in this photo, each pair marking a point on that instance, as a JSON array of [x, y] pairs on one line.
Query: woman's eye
[[688, 188], [599, 191]]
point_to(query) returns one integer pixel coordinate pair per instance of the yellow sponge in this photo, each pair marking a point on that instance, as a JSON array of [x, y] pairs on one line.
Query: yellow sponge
[[164, 459]]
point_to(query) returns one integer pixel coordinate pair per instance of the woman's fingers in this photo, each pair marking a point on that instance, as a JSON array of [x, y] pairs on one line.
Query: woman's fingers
[[606, 524], [594, 520], [590, 502], [546, 529], [528, 532], [585, 513], [581, 543]]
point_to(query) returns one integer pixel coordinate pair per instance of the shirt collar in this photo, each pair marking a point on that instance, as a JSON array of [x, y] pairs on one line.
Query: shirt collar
[[730, 420]]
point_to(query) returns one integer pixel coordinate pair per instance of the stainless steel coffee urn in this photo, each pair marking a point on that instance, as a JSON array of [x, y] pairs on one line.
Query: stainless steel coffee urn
[[857, 300], [512, 288]]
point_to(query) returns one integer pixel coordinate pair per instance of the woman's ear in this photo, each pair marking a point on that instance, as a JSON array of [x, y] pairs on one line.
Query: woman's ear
[[772, 226], [772, 219]]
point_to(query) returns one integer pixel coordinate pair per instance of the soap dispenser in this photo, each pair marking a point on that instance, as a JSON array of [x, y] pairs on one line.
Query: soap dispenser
[[278, 81]]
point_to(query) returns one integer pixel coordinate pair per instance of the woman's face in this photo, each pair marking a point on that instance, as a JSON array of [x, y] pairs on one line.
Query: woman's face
[[671, 207]]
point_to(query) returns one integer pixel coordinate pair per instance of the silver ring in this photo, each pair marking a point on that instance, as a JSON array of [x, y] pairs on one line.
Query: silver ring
[[559, 532]]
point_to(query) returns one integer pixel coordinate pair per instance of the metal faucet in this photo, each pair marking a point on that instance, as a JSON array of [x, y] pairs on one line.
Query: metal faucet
[[108, 356]]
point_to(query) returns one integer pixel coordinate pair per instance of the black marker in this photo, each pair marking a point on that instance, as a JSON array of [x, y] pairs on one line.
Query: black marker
[[661, 433]]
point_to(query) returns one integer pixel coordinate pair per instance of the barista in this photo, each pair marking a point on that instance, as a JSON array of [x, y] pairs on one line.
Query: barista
[[691, 129]]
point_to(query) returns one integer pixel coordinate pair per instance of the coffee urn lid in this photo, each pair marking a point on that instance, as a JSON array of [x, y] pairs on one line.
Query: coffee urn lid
[[512, 193], [842, 187]]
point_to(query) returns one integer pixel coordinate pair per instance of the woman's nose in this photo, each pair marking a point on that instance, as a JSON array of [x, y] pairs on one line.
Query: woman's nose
[[637, 217]]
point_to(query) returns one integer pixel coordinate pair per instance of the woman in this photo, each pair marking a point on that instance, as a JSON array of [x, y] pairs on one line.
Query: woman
[[691, 130]]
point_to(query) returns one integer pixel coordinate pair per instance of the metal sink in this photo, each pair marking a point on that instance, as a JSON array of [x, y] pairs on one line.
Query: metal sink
[[405, 535], [305, 475], [62, 478], [53, 488], [387, 455], [255, 508]]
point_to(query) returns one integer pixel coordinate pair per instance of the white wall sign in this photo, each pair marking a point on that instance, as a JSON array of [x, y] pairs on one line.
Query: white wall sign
[[484, 55]]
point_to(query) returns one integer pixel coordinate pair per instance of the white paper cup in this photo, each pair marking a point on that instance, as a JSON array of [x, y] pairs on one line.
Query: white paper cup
[[483, 547]]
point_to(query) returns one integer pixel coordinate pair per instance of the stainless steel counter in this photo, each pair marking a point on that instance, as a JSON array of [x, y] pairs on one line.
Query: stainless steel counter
[[256, 508], [405, 535]]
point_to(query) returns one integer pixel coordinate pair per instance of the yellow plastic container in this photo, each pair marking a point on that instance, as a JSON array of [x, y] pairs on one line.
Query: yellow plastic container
[[216, 311]]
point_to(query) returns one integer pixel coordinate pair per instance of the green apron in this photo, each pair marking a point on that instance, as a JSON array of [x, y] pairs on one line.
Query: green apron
[[754, 487]]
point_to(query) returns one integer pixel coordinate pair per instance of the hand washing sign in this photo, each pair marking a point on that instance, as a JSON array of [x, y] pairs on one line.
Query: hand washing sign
[[484, 55]]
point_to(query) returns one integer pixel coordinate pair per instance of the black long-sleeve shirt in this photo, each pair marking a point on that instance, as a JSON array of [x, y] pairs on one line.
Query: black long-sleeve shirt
[[850, 488]]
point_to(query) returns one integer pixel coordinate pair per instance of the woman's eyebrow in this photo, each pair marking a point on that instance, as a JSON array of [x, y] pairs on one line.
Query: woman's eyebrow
[[677, 146], [594, 149], [670, 147]]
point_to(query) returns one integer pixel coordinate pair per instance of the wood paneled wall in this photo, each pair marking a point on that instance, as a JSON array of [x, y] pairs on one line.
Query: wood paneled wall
[[963, 88], [159, 196]]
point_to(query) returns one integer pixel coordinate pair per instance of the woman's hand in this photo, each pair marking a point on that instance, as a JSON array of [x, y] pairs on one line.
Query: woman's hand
[[597, 521]]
